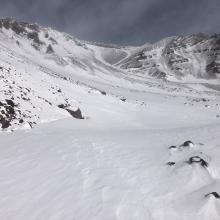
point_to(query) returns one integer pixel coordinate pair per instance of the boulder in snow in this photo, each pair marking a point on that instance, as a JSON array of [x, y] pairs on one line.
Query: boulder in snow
[[215, 194], [187, 144], [76, 114], [197, 159]]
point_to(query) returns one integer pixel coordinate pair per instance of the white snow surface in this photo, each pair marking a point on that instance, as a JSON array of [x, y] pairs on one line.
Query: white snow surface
[[115, 164]]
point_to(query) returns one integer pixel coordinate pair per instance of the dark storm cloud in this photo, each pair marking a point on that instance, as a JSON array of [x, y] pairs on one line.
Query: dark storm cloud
[[119, 21]]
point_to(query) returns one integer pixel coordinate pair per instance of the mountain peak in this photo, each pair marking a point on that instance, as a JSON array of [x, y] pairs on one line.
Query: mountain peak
[[18, 27]]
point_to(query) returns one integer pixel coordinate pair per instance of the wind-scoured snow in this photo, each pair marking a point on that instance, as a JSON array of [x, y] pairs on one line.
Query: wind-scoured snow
[[92, 131]]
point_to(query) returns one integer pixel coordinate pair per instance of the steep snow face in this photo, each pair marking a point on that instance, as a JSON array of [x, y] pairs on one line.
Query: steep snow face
[[40, 71], [51, 48]]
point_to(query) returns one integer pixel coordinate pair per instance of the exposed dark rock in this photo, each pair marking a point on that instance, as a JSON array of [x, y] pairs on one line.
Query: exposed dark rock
[[10, 102], [49, 49], [158, 74], [103, 92], [171, 163], [10, 110], [21, 121], [34, 36], [172, 147], [9, 113], [205, 100], [197, 159], [141, 56], [123, 99], [30, 124], [214, 68], [63, 106], [34, 27], [4, 122], [208, 48], [76, 114], [215, 194], [187, 144], [6, 23], [17, 27]]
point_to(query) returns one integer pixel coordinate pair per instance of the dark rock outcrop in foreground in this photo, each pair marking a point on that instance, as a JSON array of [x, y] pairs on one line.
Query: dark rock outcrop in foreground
[[197, 159], [215, 194], [187, 144]]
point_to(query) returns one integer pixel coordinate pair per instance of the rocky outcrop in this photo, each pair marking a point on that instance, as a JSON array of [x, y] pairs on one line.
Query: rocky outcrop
[[197, 55], [8, 113], [74, 113], [214, 194], [199, 160]]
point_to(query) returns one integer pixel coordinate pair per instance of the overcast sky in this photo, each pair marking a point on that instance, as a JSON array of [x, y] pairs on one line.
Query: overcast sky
[[125, 22]]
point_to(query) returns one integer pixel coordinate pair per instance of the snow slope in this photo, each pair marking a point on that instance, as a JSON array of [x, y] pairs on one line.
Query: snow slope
[[115, 162]]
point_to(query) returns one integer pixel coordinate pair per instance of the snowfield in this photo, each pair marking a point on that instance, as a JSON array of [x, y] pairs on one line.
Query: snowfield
[[84, 138]]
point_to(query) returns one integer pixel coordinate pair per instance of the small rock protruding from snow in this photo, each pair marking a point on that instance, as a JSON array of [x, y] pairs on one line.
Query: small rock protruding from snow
[[197, 159], [102, 92], [172, 147], [50, 49], [187, 144], [63, 106], [171, 163], [214, 194], [21, 121], [76, 114], [123, 99]]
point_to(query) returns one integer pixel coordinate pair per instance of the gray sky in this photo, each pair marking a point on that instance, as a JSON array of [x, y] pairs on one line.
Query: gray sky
[[125, 22]]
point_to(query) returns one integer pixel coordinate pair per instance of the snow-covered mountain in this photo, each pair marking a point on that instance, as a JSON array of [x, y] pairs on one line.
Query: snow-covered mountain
[[31, 56], [119, 133], [196, 55]]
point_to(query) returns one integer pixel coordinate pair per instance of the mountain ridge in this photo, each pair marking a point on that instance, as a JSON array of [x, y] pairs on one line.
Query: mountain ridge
[[43, 66], [179, 56]]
